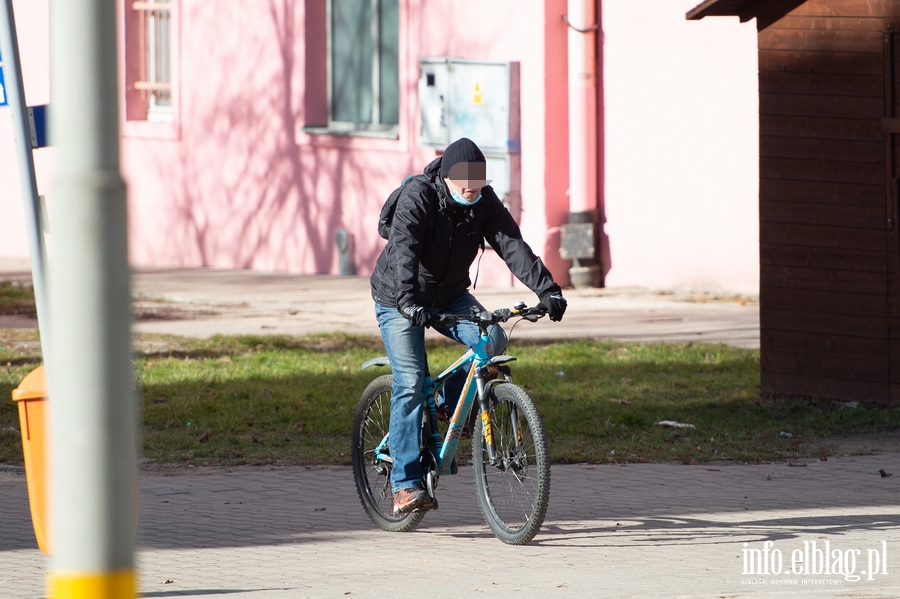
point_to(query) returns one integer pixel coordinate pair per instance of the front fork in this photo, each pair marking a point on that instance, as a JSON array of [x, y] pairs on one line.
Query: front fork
[[484, 408], [484, 405]]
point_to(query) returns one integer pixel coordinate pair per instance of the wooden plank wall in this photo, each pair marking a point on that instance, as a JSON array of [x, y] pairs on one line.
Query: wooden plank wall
[[828, 281]]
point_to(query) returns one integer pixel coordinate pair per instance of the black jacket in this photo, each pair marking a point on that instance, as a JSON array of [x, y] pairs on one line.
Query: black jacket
[[434, 241]]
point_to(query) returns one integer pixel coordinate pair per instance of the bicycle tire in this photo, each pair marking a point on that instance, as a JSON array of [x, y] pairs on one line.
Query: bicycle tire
[[373, 478], [514, 493]]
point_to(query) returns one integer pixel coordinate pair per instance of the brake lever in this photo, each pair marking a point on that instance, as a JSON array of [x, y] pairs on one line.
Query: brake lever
[[534, 314]]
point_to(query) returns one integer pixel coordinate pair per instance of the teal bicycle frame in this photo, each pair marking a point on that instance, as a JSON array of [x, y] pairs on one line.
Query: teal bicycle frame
[[443, 450]]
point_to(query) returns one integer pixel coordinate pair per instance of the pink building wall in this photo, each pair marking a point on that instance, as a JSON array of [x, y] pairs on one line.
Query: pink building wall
[[236, 183], [682, 147], [239, 184]]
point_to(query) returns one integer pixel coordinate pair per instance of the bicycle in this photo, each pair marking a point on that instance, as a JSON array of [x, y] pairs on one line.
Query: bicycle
[[509, 448]]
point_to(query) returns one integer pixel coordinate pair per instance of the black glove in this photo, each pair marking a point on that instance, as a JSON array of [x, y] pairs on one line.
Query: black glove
[[555, 304], [417, 315], [442, 321]]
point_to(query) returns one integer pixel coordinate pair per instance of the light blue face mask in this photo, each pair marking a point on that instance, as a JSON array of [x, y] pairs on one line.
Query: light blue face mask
[[461, 200]]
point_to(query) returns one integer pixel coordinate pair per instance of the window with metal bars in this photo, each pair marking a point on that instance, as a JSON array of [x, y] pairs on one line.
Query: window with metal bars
[[149, 69]]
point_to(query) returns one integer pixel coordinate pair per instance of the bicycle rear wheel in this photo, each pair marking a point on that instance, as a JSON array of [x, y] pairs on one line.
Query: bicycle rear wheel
[[372, 474], [513, 492]]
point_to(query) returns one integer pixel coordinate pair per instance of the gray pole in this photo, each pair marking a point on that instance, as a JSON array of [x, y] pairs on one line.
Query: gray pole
[[92, 403], [15, 91]]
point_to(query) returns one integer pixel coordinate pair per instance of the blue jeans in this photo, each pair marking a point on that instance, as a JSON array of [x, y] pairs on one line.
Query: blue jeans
[[405, 346]]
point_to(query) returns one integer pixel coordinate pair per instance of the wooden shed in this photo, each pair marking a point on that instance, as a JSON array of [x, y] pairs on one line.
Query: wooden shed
[[829, 243]]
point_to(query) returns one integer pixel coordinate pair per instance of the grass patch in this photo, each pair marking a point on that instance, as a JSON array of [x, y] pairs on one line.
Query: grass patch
[[16, 299], [290, 400], [19, 346], [600, 402]]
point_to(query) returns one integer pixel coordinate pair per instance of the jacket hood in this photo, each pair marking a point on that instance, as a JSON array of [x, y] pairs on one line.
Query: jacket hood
[[433, 170]]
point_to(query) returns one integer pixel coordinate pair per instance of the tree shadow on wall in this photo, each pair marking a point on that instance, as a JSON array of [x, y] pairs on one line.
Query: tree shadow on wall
[[242, 193]]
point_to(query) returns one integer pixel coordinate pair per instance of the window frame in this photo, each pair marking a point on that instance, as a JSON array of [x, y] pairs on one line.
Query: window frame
[[347, 128]]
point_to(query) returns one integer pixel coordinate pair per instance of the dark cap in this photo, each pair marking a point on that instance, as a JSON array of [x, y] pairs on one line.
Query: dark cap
[[461, 150]]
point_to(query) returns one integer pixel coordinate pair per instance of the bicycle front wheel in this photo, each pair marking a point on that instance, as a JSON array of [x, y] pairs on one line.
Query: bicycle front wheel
[[513, 492], [371, 472]]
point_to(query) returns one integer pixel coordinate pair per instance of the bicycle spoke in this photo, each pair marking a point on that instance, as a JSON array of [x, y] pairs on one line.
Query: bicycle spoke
[[372, 473], [517, 498], [515, 502], [513, 492], [375, 431]]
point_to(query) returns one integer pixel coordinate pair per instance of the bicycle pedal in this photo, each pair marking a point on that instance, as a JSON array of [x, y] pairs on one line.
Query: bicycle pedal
[[454, 469], [443, 414]]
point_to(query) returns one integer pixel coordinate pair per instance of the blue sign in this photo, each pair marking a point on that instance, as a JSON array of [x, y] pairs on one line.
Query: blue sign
[[38, 116], [3, 100]]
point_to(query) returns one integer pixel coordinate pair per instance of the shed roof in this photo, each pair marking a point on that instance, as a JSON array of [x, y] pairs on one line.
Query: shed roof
[[715, 8], [765, 12]]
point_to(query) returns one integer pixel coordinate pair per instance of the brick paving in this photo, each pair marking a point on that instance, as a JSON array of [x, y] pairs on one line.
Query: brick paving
[[641, 530]]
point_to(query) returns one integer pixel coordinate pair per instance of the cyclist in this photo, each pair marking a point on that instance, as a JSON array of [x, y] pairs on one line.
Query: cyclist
[[438, 227]]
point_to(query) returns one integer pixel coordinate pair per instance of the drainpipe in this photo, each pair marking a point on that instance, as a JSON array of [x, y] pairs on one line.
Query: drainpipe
[[578, 238]]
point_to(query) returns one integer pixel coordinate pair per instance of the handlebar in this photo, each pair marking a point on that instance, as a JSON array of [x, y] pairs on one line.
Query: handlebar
[[486, 317]]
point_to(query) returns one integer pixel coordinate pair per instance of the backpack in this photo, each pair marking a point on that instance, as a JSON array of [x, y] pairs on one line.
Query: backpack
[[390, 206]]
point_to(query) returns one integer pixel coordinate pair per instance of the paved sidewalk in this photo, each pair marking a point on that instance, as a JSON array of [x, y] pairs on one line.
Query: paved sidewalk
[[642, 530], [202, 302]]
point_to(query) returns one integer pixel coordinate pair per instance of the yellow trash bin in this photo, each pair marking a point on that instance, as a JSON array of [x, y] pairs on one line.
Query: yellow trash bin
[[31, 396]]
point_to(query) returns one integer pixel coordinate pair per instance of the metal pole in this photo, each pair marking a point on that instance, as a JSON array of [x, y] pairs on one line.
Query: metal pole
[[15, 91], [93, 411]]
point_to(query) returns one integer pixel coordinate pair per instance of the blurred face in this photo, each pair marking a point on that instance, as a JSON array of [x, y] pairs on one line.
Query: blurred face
[[467, 179]]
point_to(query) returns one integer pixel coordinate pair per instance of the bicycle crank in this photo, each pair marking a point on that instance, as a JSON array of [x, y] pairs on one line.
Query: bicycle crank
[[431, 480]]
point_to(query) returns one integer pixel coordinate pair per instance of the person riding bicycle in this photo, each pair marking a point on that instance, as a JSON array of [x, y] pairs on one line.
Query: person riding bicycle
[[441, 221]]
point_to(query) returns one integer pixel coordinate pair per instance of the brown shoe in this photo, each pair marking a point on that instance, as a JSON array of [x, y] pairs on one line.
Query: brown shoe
[[412, 500]]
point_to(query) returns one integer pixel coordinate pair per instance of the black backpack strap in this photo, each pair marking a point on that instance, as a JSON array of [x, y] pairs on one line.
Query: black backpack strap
[[478, 266], [480, 256]]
